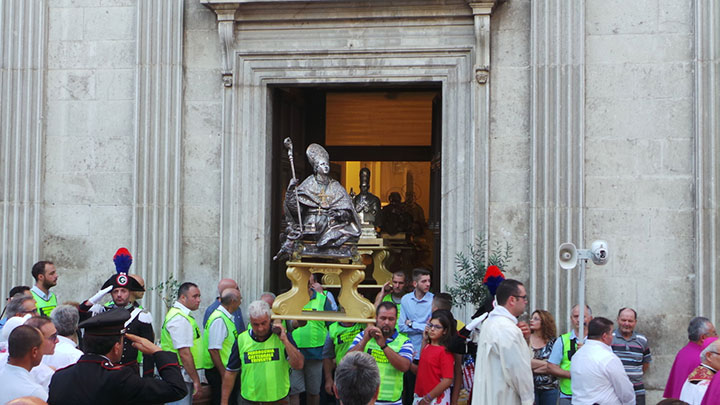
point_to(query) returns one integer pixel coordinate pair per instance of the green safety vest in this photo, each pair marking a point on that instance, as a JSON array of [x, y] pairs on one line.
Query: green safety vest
[[313, 334], [565, 383], [391, 379], [197, 348], [227, 343], [44, 307], [265, 372], [342, 337], [388, 298]]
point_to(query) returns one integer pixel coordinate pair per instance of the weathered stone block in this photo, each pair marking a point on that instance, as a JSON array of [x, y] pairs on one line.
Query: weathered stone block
[[678, 156], [111, 219], [71, 54], [114, 154], [103, 23], [71, 84], [197, 186], [509, 187], [511, 15], [66, 188], [510, 48], [618, 221], [201, 220], [203, 118], [672, 223], [202, 153], [622, 157], [203, 85], [200, 19], [65, 24], [115, 54], [115, 84], [202, 50], [639, 48], [67, 220], [676, 16], [510, 153], [638, 118], [621, 17], [669, 80], [118, 118], [644, 192]]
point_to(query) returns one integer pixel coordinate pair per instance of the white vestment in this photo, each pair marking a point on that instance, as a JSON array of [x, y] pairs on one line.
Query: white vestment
[[693, 393], [503, 375]]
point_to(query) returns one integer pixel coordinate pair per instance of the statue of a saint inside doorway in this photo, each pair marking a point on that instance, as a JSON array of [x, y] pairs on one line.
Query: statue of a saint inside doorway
[[328, 215], [367, 204]]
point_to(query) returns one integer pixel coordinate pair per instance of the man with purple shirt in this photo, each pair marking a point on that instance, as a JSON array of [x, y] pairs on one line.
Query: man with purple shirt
[[701, 333]]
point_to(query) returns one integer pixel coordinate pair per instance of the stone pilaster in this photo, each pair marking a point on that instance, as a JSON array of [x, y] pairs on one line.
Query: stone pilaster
[[557, 132], [158, 153], [23, 42], [707, 152]]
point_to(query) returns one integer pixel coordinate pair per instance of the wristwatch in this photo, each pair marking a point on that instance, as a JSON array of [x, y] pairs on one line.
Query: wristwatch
[[409, 323]]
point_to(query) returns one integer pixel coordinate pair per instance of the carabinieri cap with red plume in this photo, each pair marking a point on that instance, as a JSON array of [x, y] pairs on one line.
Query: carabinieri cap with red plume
[[123, 260]]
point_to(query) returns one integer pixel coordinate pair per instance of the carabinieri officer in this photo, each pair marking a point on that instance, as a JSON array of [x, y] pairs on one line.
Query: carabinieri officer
[[96, 379]]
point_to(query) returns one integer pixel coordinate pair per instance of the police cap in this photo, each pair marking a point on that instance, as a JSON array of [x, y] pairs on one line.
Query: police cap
[[109, 323]]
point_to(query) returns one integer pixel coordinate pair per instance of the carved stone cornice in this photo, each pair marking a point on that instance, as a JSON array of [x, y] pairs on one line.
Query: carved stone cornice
[[226, 13], [481, 12]]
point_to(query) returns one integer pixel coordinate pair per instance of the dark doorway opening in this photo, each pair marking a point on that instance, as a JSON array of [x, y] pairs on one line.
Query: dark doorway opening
[[392, 130]]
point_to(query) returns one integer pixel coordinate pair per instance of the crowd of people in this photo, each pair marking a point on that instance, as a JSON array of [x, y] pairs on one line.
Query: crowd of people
[[102, 350]]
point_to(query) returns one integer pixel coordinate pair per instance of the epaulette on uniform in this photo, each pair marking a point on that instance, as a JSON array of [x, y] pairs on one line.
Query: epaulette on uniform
[[145, 317]]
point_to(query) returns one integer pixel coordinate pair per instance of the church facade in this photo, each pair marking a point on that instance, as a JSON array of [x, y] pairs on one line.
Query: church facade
[[150, 124]]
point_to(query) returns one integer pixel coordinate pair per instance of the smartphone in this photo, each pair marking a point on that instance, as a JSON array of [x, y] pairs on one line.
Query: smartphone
[[276, 330]]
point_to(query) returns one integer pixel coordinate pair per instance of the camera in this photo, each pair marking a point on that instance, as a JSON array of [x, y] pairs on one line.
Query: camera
[[599, 251]]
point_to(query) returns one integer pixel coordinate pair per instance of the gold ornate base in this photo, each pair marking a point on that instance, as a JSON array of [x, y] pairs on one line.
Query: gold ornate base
[[357, 309]]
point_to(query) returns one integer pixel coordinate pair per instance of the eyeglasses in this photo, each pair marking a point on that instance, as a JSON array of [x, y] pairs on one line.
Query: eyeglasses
[[524, 297], [434, 326]]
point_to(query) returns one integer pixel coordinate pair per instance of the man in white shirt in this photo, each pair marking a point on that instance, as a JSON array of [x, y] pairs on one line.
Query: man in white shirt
[[42, 373], [503, 375], [597, 374], [181, 335], [24, 345], [220, 336], [65, 318]]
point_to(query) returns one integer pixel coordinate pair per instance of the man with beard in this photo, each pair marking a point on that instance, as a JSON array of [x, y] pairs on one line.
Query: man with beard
[[45, 277], [121, 286], [392, 351], [392, 291]]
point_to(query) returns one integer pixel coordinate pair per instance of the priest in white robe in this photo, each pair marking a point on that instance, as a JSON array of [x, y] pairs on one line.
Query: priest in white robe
[[503, 375]]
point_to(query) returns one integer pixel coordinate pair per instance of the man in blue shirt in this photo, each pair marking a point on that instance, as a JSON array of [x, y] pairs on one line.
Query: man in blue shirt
[[222, 286], [415, 311]]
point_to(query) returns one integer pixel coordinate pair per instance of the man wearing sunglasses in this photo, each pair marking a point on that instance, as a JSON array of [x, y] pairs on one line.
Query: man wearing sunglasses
[[503, 357]]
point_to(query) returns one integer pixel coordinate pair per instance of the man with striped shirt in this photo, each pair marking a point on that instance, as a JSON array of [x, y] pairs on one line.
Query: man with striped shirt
[[633, 350], [393, 352]]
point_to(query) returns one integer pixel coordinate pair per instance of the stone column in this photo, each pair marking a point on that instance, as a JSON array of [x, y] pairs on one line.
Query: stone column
[[557, 132], [707, 152], [158, 154], [23, 41]]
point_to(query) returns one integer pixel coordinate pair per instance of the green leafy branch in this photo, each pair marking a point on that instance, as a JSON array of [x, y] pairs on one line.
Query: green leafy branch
[[471, 268]]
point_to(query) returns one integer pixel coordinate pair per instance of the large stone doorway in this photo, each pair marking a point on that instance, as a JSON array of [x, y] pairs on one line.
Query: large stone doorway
[[395, 132]]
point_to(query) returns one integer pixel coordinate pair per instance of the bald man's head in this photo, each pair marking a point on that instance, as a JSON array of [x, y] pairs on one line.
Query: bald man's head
[[230, 298], [226, 283]]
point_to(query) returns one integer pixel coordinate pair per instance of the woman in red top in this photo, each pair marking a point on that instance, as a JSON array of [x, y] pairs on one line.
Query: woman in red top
[[435, 371]]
